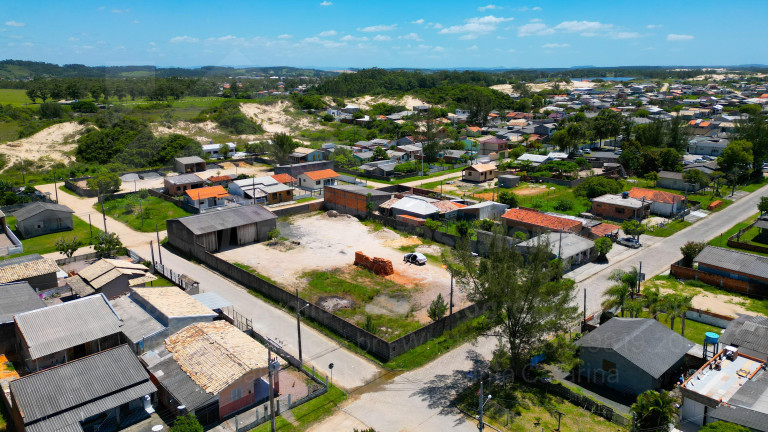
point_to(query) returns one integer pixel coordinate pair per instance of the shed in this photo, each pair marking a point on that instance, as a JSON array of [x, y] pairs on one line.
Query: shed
[[479, 172], [414, 206], [217, 230], [573, 250], [189, 164], [483, 210], [509, 181], [632, 355], [43, 218]]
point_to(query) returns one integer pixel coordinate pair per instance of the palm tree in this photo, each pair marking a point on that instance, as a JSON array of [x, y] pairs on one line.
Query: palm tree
[[653, 302], [654, 409], [616, 297], [628, 278], [677, 305], [634, 307]]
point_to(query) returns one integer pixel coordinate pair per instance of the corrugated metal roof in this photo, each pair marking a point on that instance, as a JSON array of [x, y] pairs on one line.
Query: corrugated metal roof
[[184, 179], [748, 332], [55, 328], [190, 160], [66, 394], [225, 219], [35, 208], [212, 300], [415, 205], [17, 298], [644, 342], [742, 262], [183, 388], [138, 323], [79, 286], [27, 266], [216, 354]]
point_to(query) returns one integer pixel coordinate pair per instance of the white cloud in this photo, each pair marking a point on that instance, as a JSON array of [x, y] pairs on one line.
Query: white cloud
[[473, 48], [469, 36], [652, 26], [535, 29], [324, 42], [555, 45], [354, 38], [484, 24], [678, 37], [285, 36], [489, 7], [418, 21], [327, 33], [411, 36], [512, 50], [536, 8], [226, 38], [378, 28], [73, 39], [15, 24], [117, 11], [135, 22], [438, 49], [436, 26], [583, 26], [180, 39], [624, 35], [326, 3], [500, 37], [29, 44], [382, 38], [101, 8]]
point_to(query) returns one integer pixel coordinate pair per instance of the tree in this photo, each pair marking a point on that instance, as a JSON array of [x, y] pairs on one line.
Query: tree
[[634, 307], [763, 205], [603, 245], [669, 160], [596, 186], [380, 154], [676, 305], [281, 148], [50, 110], [528, 298], [507, 197], [437, 308], [690, 250], [462, 228], [678, 134], [617, 295], [186, 423], [697, 178], [107, 245], [224, 151], [721, 426], [633, 228], [755, 130], [104, 182], [654, 410], [653, 301], [68, 246], [736, 158], [652, 176]]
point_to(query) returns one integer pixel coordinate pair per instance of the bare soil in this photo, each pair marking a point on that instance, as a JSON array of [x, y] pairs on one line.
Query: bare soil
[[50, 144], [279, 117]]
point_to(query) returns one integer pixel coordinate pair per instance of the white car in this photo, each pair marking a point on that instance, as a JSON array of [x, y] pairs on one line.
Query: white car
[[415, 258]]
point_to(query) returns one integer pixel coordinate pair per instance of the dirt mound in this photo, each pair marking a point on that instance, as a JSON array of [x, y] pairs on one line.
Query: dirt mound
[[49, 144], [429, 250], [334, 303], [403, 241], [279, 117], [365, 102], [386, 234]]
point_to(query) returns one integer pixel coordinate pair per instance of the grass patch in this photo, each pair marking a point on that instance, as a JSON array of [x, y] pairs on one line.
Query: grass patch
[[668, 229], [143, 215], [64, 189], [361, 287], [759, 306], [417, 178], [308, 413], [694, 331], [307, 199], [255, 272], [722, 239], [47, 243], [161, 281], [754, 186], [702, 196], [16, 97], [534, 410]]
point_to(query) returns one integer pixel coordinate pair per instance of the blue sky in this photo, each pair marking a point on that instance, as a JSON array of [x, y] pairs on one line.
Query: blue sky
[[394, 33]]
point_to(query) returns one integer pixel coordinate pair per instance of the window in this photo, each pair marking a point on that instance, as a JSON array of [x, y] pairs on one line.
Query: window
[[236, 394], [609, 366], [317, 182], [619, 210]]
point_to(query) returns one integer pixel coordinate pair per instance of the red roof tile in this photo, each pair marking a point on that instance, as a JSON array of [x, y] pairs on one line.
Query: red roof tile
[[321, 174], [207, 192], [655, 195], [533, 217], [283, 178], [604, 229]]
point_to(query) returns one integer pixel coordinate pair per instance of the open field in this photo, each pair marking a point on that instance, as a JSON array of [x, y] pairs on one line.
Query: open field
[[143, 215], [317, 256], [47, 243], [15, 97]]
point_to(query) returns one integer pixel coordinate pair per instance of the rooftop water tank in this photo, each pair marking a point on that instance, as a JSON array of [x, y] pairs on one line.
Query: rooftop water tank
[[711, 338]]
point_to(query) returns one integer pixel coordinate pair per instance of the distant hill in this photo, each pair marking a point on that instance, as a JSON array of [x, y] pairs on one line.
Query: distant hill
[[21, 70]]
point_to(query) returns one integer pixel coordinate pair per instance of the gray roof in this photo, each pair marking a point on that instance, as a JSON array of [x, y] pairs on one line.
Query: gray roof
[[225, 219], [212, 300], [17, 298], [35, 208], [644, 342], [671, 175], [572, 244], [360, 190], [749, 333], [137, 323], [60, 397], [190, 160], [748, 406], [619, 200], [742, 262], [762, 223], [55, 328], [415, 205], [183, 388], [184, 179]]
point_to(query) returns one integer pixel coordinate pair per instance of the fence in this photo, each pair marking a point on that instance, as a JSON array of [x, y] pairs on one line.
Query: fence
[[561, 182], [85, 257], [183, 281], [734, 241], [16, 246], [726, 283], [178, 203]]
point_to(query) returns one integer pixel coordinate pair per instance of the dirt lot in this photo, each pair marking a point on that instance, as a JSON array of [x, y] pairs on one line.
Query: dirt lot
[[279, 117], [49, 144], [724, 304], [328, 243]]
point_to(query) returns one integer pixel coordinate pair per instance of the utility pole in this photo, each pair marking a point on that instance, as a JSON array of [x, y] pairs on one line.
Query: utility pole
[[55, 188], [585, 306], [159, 254], [481, 405], [639, 276], [90, 226], [450, 304], [298, 324], [271, 389], [103, 214]]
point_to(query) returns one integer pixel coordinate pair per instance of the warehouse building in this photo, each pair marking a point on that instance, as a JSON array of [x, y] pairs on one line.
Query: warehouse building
[[217, 230]]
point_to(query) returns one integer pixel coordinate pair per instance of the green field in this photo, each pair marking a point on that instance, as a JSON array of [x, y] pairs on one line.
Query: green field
[[15, 97], [308, 413], [47, 243], [143, 215]]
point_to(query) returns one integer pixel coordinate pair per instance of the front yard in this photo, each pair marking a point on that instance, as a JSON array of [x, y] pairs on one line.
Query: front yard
[[142, 214], [47, 243]]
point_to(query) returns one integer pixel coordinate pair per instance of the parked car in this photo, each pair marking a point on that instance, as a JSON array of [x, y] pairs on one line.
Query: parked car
[[629, 242], [618, 152], [587, 151], [415, 258]]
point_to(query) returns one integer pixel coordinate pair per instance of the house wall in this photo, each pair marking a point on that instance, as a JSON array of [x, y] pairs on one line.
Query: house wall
[[473, 175], [692, 412], [63, 356], [278, 197], [676, 184], [189, 168], [664, 209], [246, 385], [308, 183], [613, 211], [8, 338], [176, 190], [43, 282], [116, 288], [45, 222], [628, 377], [350, 202]]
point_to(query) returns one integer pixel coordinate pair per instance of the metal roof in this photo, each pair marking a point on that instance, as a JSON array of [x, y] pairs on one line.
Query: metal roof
[[190, 160], [27, 266], [55, 328], [360, 190], [565, 244], [748, 333], [17, 298], [225, 219], [212, 300], [183, 388], [35, 208], [415, 205], [60, 397], [79, 286], [137, 323], [184, 179], [742, 262], [644, 342], [618, 200]]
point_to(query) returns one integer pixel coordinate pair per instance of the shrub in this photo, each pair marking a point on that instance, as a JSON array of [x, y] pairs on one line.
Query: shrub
[[462, 228], [485, 224], [543, 174], [433, 224], [84, 107], [537, 203], [508, 198], [186, 423], [563, 205], [273, 234], [596, 186], [437, 308], [603, 245], [690, 250]]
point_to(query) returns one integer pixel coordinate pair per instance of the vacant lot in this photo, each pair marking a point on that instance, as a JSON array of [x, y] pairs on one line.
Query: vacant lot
[[317, 256], [711, 298], [142, 214], [14, 97], [47, 243]]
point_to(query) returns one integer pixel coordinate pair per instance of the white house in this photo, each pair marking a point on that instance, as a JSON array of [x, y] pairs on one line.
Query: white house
[[315, 180], [212, 151]]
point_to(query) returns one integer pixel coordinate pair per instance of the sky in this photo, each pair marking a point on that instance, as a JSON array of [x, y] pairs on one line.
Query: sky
[[390, 34]]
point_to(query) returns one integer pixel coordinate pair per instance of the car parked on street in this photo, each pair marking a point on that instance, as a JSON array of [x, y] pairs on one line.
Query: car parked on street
[[629, 242]]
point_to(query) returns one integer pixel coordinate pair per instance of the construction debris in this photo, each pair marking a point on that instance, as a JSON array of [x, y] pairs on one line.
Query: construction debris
[[380, 266]]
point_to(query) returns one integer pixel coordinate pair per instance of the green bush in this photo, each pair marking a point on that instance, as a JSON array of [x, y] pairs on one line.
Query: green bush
[[433, 224], [563, 205], [186, 423], [508, 198], [543, 174], [596, 186]]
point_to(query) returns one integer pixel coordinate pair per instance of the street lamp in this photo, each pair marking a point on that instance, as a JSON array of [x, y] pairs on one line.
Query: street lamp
[[299, 308], [450, 302], [481, 403]]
